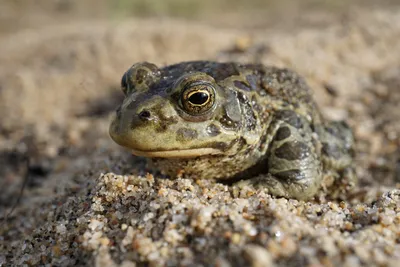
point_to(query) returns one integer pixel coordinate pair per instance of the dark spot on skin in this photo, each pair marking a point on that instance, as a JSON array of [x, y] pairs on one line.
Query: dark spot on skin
[[241, 85], [293, 151], [282, 133], [226, 146], [213, 130], [242, 98], [252, 80], [332, 150], [219, 145], [290, 117], [140, 76], [227, 122], [290, 175], [186, 134]]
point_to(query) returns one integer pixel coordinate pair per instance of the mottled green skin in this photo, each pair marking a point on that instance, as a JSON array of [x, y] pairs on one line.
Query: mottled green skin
[[263, 121]]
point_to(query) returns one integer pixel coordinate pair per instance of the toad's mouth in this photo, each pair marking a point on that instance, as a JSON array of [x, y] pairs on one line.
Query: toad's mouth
[[180, 153]]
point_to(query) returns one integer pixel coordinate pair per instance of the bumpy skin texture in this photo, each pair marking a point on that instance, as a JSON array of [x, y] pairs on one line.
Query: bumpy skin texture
[[229, 121]]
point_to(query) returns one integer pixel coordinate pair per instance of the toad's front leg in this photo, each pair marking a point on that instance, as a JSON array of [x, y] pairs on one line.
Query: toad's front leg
[[292, 159]]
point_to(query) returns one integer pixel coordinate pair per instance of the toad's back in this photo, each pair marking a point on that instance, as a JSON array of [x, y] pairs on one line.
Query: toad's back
[[228, 120]]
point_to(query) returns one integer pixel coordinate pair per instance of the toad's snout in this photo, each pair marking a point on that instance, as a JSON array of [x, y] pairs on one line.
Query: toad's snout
[[142, 128]]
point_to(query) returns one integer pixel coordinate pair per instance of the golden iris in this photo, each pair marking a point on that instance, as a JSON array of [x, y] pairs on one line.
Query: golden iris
[[197, 99]]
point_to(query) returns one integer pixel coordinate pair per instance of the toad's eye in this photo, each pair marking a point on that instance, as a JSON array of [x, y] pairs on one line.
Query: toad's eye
[[198, 98]]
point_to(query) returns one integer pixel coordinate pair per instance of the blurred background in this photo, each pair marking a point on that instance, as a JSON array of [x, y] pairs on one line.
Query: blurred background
[[29, 14], [61, 62]]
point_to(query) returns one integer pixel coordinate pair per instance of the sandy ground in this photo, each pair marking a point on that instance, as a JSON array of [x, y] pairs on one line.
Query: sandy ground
[[89, 202]]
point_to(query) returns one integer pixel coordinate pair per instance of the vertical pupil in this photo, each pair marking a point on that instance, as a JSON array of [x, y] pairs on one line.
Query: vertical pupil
[[198, 98]]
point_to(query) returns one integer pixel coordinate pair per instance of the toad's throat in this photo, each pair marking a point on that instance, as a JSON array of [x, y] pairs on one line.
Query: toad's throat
[[180, 153]]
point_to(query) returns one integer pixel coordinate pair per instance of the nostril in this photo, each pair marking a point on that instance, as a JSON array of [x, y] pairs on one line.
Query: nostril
[[145, 115]]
